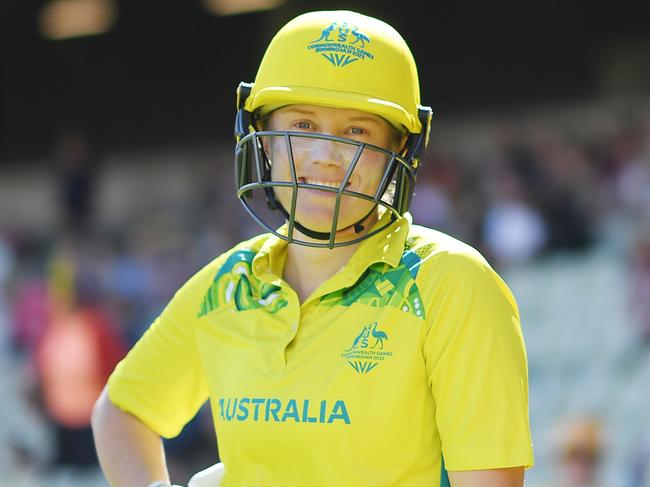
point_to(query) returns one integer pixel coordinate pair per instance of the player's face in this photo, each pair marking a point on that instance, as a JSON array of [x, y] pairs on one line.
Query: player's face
[[325, 162]]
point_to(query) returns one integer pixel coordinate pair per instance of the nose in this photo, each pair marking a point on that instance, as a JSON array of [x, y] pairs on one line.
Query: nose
[[325, 152], [330, 153]]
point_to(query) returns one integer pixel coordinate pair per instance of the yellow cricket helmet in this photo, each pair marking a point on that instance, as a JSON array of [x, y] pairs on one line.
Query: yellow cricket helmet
[[339, 59]]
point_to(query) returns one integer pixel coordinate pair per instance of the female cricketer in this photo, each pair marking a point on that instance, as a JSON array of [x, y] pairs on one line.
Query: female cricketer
[[348, 346]]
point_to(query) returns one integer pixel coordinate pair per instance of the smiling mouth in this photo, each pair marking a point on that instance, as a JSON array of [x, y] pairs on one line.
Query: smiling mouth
[[329, 184]]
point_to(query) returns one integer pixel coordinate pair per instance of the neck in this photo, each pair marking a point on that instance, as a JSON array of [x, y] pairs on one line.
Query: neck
[[306, 268]]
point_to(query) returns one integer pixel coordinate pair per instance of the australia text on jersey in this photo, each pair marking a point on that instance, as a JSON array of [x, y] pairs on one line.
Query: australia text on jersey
[[274, 410]]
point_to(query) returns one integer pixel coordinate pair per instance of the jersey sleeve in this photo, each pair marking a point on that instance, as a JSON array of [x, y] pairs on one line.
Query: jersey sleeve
[[161, 381], [477, 367]]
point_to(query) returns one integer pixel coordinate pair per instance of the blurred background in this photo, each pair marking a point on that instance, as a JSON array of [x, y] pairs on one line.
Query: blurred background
[[116, 185]]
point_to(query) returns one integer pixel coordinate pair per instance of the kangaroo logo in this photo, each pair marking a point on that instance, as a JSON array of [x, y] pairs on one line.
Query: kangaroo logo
[[361, 336], [347, 46], [362, 356], [325, 35]]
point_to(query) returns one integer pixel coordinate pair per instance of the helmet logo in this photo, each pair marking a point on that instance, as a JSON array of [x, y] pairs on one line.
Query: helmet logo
[[341, 45]]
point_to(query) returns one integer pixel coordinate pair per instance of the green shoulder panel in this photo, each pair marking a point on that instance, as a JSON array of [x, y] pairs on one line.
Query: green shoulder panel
[[382, 285], [236, 285]]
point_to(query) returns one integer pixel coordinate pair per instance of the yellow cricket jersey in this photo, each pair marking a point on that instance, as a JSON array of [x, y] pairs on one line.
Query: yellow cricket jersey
[[408, 362]]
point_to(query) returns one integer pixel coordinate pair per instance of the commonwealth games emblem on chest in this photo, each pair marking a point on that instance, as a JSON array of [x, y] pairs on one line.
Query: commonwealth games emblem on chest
[[368, 349]]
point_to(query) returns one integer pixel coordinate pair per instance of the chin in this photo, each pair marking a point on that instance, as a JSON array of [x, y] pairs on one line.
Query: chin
[[316, 211]]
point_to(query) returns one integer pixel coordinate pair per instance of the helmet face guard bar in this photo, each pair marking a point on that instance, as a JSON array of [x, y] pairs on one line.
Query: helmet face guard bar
[[253, 170]]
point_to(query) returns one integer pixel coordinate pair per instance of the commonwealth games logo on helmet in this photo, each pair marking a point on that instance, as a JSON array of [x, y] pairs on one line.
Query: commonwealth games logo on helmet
[[346, 46], [338, 59]]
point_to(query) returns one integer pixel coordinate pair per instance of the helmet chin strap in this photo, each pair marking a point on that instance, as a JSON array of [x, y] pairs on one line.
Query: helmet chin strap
[[358, 226], [276, 205]]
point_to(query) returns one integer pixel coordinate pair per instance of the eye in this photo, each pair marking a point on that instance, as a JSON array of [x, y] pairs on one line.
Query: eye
[[302, 125], [358, 131]]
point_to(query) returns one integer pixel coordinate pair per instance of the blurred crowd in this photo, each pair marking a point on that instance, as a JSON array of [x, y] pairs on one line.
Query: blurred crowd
[[519, 187], [537, 183]]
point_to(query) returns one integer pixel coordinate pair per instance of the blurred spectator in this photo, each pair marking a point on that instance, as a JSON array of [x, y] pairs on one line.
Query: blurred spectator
[[634, 188], [129, 277], [75, 164], [514, 232], [30, 312], [74, 358], [569, 223], [431, 206], [579, 450], [562, 184], [29, 296]]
